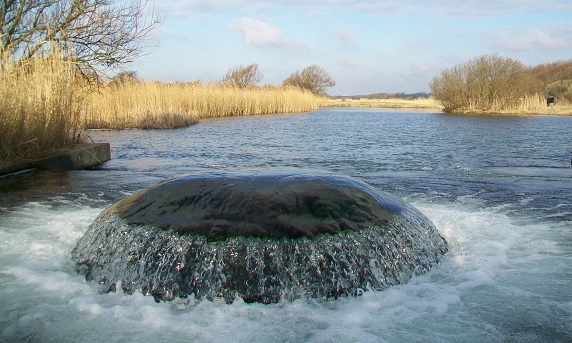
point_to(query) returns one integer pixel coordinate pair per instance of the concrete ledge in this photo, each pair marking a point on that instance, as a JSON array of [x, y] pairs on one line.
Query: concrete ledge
[[81, 157]]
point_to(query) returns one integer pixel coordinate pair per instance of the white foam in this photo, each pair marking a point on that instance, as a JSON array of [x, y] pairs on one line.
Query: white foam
[[489, 283]]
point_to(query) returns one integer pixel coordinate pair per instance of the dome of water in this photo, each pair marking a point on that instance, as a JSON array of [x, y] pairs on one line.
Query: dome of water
[[260, 235]]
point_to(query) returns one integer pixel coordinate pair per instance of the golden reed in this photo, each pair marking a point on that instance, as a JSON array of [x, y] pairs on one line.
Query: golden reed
[[46, 105], [135, 104], [40, 107]]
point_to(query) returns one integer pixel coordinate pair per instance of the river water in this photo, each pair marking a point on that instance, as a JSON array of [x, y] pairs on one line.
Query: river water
[[499, 189]]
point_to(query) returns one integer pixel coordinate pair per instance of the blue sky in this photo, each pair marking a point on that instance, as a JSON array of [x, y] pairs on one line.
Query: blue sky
[[366, 46]]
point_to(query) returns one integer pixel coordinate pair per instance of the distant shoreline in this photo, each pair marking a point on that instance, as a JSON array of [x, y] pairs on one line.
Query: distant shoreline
[[421, 103], [429, 103]]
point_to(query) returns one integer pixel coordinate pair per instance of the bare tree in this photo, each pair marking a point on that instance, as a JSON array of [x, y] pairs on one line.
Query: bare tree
[[243, 76], [97, 34], [313, 78], [124, 77]]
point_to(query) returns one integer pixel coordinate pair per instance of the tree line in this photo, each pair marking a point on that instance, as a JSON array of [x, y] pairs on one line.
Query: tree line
[[312, 78], [492, 83], [557, 78]]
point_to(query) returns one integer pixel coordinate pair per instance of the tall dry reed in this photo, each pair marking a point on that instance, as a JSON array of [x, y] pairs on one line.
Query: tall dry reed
[[526, 104], [530, 104], [40, 107], [160, 105]]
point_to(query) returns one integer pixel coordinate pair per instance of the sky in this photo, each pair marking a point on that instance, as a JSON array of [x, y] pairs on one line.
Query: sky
[[366, 46]]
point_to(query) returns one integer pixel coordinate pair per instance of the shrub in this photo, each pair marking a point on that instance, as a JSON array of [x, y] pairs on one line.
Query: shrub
[[243, 77], [561, 90], [485, 84], [313, 78]]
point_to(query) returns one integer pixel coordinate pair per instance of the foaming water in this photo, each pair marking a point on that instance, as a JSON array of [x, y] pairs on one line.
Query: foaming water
[[489, 288], [501, 202]]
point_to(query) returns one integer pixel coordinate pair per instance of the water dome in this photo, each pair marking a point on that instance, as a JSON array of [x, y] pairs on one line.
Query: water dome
[[260, 235]]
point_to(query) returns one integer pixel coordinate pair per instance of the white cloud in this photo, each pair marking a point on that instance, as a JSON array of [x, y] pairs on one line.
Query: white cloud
[[347, 62], [530, 39], [452, 7], [257, 32], [440, 7], [346, 35]]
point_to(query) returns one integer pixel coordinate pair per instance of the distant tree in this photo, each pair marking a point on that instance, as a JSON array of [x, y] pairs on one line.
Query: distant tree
[[486, 83], [552, 72], [96, 34], [243, 77], [557, 80], [313, 78], [124, 77]]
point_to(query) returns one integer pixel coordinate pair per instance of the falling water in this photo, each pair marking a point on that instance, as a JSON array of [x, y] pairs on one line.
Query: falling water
[[261, 235]]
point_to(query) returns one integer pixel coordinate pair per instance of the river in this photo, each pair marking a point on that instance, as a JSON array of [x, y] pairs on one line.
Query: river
[[499, 189]]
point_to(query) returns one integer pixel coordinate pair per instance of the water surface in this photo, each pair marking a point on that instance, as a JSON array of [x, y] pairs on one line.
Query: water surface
[[497, 188]]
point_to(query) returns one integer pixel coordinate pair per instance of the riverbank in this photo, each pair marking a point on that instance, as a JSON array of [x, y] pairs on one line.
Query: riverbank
[[560, 110], [429, 103], [47, 105]]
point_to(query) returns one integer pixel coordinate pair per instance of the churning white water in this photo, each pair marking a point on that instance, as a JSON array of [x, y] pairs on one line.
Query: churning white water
[[501, 281], [498, 189]]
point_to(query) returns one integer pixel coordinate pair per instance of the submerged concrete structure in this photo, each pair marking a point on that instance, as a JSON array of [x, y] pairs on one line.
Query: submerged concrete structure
[[84, 156], [260, 235]]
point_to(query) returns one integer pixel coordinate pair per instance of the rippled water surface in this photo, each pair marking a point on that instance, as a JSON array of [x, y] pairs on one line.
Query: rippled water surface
[[499, 189]]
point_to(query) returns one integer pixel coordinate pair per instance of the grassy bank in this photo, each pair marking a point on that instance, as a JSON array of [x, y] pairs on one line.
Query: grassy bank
[[40, 107], [559, 110], [161, 105]]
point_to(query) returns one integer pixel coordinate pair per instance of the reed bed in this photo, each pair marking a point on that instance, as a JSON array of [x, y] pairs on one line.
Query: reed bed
[[45, 105], [528, 104], [536, 104], [159, 105], [40, 107]]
